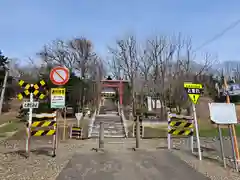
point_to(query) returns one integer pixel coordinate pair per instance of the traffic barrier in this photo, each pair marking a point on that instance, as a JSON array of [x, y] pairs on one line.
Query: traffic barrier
[[43, 123], [43, 132], [141, 127], [76, 132], [43, 128], [179, 125]]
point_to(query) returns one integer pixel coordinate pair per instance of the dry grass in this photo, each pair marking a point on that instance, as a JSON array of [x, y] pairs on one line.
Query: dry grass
[[206, 128]]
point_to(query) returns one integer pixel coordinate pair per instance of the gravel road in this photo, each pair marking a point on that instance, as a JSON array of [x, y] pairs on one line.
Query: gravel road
[[40, 165]]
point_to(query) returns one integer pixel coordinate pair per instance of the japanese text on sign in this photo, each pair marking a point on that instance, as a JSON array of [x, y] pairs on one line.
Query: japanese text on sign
[[58, 97], [27, 105], [58, 91], [193, 91]]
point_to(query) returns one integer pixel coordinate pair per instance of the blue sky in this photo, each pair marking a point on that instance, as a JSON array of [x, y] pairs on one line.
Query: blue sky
[[29, 24]]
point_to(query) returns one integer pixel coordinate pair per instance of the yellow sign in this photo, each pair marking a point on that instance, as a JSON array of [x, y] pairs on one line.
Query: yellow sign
[[195, 86], [58, 91], [31, 88], [58, 97], [194, 91], [194, 97]]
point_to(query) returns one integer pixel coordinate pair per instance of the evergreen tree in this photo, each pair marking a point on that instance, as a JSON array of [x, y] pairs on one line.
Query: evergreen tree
[[3, 60], [9, 92]]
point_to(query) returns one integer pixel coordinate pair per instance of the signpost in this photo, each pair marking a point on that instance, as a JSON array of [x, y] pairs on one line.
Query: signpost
[[194, 91], [58, 97], [78, 117], [59, 75], [232, 126], [224, 114], [30, 90]]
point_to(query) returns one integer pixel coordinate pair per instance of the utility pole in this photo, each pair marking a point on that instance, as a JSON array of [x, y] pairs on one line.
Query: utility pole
[[3, 89]]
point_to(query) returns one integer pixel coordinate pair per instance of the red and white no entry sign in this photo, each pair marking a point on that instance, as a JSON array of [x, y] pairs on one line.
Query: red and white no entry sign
[[59, 75]]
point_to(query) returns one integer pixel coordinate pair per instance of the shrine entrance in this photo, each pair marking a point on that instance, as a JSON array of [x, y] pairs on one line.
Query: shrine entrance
[[118, 84]]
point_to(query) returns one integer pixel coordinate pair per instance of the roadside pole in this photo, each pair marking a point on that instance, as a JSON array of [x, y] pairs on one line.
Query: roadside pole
[[29, 124], [64, 123], [233, 150], [3, 90], [232, 126], [221, 145], [169, 135], [137, 132], [59, 76], [101, 136], [197, 131], [194, 91]]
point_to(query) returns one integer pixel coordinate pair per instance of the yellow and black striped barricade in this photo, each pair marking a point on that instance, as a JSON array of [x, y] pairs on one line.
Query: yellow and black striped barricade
[[134, 131], [45, 125], [76, 132], [179, 125]]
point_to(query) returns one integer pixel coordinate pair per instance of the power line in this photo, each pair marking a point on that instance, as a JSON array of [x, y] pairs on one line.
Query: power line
[[217, 36]]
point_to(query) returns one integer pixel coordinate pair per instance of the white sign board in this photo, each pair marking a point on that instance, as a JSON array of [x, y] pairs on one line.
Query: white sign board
[[158, 104], [149, 103], [58, 97], [78, 116], [27, 105], [223, 113]]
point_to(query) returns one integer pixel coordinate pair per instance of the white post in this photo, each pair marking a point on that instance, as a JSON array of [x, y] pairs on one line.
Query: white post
[[78, 121], [29, 124], [197, 131]]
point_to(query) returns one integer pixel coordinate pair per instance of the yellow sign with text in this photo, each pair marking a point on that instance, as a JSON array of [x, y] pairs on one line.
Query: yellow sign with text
[[58, 97], [194, 91], [58, 91]]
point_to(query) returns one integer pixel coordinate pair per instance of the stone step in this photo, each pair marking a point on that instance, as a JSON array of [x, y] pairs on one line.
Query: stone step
[[108, 124], [113, 125], [107, 116], [114, 129], [108, 136], [108, 120], [108, 132], [109, 128]]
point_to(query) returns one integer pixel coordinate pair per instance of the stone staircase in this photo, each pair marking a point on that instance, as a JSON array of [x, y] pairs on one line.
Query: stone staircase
[[113, 125]]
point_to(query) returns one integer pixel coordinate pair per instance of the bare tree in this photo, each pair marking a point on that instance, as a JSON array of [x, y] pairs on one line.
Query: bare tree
[[115, 67], [186, 70], [126, 54], [83, 55], [161, 52], [145, 68], [58, 53]]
